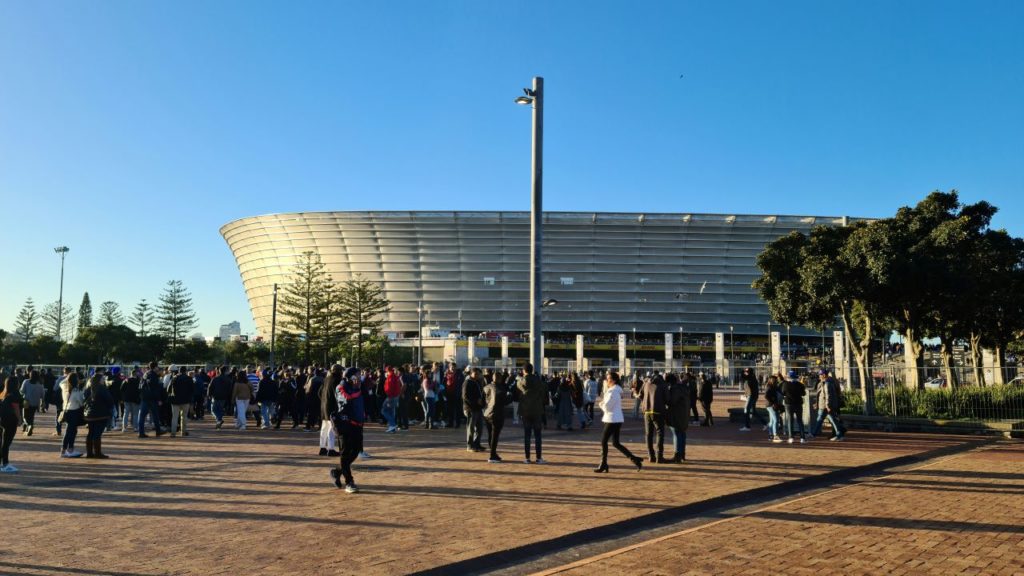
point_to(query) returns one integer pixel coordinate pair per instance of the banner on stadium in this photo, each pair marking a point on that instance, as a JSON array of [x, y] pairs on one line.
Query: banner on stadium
[[471, 351], [504, 349], [668, 349], [776, 352], [622, 351], [579, 352]]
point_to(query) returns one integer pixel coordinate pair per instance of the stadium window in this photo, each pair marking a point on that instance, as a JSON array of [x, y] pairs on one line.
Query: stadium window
[[488, 280], [567, 280]]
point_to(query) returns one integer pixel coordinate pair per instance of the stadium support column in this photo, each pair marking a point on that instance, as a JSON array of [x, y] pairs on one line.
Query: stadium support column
[[536, 222]]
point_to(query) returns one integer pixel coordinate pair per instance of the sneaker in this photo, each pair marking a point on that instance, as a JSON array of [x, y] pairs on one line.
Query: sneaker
[[8, 468], [219, 424], [493, 460], [541, 461], [323, 452], [364, 455], [470, 449], [791, 440], [336, 475], [803, 441], [837, 438], [391, 430], [74, 454], [744, 429], [351, 488], [526, 461], [777, 440], [333, 453]]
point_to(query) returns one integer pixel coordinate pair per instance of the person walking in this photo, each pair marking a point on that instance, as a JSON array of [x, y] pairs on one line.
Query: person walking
[[151, 391], [348, 419], [793, 392], [392, 391], [611, 407], [241, 395], [180, 393], [32, 392], [678, 418], [98, 406], [654, 403], [589, 396], [472, 407], [329, 407], [773, 403], [267, 395], [495, 398], [532, 398], [10, 419], [130, 394], [691, 381], [706, 395], [71, 415], [221, 388], [752, 390], [828, 407]]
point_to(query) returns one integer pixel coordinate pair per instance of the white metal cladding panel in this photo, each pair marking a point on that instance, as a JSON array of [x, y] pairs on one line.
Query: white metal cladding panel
[[628, 270]]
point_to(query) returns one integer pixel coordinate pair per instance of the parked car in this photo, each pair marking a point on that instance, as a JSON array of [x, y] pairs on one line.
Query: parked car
[[935, 383], [1018, 381]]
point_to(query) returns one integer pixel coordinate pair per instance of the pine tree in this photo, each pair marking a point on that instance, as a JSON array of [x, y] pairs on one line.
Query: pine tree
[[307, 305], [110, 314], [52, 318], [28, 320], [85, 313], [362, 310], [174, 314], [142, 317]]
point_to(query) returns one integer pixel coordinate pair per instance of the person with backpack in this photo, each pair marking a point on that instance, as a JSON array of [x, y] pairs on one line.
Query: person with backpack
[[348, 419], [751, 389], [793, 392], [829, 396], [495, 397], [472, 407], [678, 419], [10, 419]]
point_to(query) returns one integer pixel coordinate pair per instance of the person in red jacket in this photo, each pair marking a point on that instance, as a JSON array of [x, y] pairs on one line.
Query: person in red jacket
[[392, 390]]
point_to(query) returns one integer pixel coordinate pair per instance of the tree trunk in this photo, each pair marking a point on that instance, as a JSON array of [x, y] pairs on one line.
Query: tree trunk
[[913, 357], [975, 341], [862, 356], [997, 368], [946, 352]]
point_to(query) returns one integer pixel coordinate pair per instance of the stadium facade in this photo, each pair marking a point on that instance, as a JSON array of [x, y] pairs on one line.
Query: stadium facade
[[609, 272]]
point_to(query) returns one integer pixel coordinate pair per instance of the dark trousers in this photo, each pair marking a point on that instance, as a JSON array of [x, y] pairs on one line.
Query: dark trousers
[[708, 420], [494, 426], [693, 409], [7, 429], [350, 444], [654, 424], [30, 415], [147, 408], [96, 428], [531, 426], [403, 412], [474, 427], [70, 433], [611, 431], [454, 412]]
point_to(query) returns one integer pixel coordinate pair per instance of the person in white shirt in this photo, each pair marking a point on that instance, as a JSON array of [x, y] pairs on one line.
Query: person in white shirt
[[611, 405]]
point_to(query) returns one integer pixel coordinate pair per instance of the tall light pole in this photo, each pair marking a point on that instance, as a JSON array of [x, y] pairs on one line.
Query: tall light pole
[[62, 250], [460, 323], [680, 349], [419, 331], [732, 349], [535, 98]]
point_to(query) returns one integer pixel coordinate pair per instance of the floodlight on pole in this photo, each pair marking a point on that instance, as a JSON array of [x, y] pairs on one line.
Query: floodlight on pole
[[62, 250], [534, 97]]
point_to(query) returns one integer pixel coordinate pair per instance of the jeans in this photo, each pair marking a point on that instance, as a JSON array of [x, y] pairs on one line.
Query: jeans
[[267, 413], [494, 426], [96, 429], [751, 408], [428, 410], [115, 415], [773, 422], [218, 410], [70, 433], [179, 414], [611, 431], [474, 428], [389, 410], [8, 426], [654, 424], [678, 444], [532, 426], [130, 412], [791, 413], [240, 407], [838, 429], [148, 408]]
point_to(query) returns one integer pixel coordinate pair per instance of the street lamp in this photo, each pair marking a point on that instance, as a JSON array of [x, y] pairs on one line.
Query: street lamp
[[535, 98], [460, 323], [419, 331], [732, 349], [680, 349], [62, 250]]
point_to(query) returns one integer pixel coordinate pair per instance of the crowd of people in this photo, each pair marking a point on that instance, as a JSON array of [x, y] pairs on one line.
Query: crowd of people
[[337, 403]]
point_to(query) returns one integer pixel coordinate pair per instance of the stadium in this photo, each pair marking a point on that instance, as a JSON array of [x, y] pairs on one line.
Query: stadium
[[642, 274]]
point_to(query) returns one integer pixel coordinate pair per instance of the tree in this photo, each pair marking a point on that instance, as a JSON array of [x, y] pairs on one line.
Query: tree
[[85, 313], [174, 314], [307, 304], [142, 317], [28, 320], [362, 308], [53, 317], [110, 314]]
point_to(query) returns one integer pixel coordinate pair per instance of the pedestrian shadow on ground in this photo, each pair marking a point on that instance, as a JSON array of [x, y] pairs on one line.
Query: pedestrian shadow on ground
[[898, 523]]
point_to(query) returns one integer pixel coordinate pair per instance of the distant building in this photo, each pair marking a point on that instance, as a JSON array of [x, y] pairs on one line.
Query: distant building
[[230, 329]]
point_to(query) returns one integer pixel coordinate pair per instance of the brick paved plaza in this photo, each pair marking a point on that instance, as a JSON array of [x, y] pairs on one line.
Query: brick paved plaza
[[227, 502]]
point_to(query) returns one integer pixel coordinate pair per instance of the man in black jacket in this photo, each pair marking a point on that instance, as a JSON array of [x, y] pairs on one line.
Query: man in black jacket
[[752, 390], [180, 393], [266, 397], [130, 394], [472, 407], [654, 402], [793, 392], [706, 394], [220, 393], [151, 391]]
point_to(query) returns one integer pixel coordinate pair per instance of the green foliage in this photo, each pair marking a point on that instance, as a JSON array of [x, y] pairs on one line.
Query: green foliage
[[1000, 402], [142, 317], [362, 309], [85, 313], [308, 306], [53, 316], [110, 314], [27, 321], [376, 351], [174, 314]]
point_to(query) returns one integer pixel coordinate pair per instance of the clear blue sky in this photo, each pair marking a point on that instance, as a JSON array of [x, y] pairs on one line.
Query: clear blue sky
[[131, 131]]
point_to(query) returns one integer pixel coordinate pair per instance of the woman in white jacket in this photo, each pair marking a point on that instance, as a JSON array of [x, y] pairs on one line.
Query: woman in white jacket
[[611, 405]]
